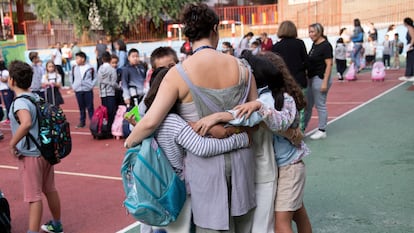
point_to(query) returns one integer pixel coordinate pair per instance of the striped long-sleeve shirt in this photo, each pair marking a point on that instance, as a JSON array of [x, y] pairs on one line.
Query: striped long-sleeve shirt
[[175, 136]]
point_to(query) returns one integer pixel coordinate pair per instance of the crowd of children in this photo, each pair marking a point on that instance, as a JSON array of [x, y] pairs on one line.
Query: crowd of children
[[365, 54], [280, 100]]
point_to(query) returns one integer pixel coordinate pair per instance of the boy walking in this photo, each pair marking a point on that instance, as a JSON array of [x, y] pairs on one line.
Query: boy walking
[[82, 83], [36, 173]]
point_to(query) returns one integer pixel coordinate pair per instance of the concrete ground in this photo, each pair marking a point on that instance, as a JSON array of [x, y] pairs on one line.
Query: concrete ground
[[361, 177]]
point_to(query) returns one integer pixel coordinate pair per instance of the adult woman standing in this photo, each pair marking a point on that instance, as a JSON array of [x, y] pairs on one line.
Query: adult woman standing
[[244, 43], [319, 71], [293, 51], [222, 187], [357, 38], [409, 69]]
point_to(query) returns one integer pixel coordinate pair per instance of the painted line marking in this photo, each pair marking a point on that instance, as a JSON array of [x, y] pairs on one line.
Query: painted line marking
[[72, 173], [71, 132], [130, 227]]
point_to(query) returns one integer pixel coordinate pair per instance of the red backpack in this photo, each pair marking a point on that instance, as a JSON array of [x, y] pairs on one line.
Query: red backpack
[[99, 126]]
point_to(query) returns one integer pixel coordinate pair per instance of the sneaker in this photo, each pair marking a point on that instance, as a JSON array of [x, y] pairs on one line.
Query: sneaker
[[50, 228], [318, 135], [404, 78], [80, 125], [1, 135], [339, 75]]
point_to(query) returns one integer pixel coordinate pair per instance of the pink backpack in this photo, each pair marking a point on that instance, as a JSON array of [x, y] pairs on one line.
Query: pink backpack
[[350, 74], [378, 71], [117, 124]]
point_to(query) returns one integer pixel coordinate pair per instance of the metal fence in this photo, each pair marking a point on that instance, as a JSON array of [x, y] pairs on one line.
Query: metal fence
[[263, 14], [39, 35], [333, 14]]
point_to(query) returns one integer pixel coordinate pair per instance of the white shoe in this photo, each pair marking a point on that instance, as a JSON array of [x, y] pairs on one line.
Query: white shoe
[[318, 135], [410, 79], [402, 78]]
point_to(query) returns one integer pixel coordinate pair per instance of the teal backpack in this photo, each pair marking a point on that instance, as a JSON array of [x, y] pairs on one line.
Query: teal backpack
[[155, 194]]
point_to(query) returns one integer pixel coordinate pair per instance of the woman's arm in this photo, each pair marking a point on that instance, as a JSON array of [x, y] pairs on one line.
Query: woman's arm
[[326, 75], [166, 97], [411, 33]]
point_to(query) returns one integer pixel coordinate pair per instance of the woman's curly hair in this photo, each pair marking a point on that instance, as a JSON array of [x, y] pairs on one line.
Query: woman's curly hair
[[290, 86], [198, 19]]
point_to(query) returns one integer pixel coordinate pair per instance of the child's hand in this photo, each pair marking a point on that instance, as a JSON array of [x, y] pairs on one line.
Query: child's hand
[[14, 152], [248, 108], [204, 125], [131, 120], [218, 131]]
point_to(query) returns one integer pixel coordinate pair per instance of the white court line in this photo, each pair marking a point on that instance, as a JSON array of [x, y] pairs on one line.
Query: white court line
[[72, 174], [71, 131], [357, 107], [130, 227]]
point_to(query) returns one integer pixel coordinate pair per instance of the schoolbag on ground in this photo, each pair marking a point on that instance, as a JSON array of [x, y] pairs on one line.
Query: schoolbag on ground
[[155, 194], [350, 74], [378, 71], [99, 126], [5, 220], [54, 131], [116, 128]]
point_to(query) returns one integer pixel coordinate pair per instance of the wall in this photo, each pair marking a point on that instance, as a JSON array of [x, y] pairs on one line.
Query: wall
[[13, 49]]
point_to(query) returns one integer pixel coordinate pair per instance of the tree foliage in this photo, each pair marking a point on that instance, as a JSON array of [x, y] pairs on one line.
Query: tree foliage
[[113, 14]]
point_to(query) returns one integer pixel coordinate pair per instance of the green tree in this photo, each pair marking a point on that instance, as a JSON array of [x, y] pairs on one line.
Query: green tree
[[113, 14]]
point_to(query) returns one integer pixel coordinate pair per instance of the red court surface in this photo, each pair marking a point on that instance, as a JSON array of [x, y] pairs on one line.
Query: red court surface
[[89, 179]]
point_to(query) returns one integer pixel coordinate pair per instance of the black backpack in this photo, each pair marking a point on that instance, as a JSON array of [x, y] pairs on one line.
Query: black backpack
[[5, 220], [54, 131]]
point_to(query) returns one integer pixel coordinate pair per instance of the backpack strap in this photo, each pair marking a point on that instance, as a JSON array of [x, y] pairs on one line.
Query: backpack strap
[[86, 72], [33, 101], [73, 74]]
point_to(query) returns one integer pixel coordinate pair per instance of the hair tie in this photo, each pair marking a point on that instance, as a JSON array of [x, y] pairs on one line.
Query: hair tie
[[194, 16]]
